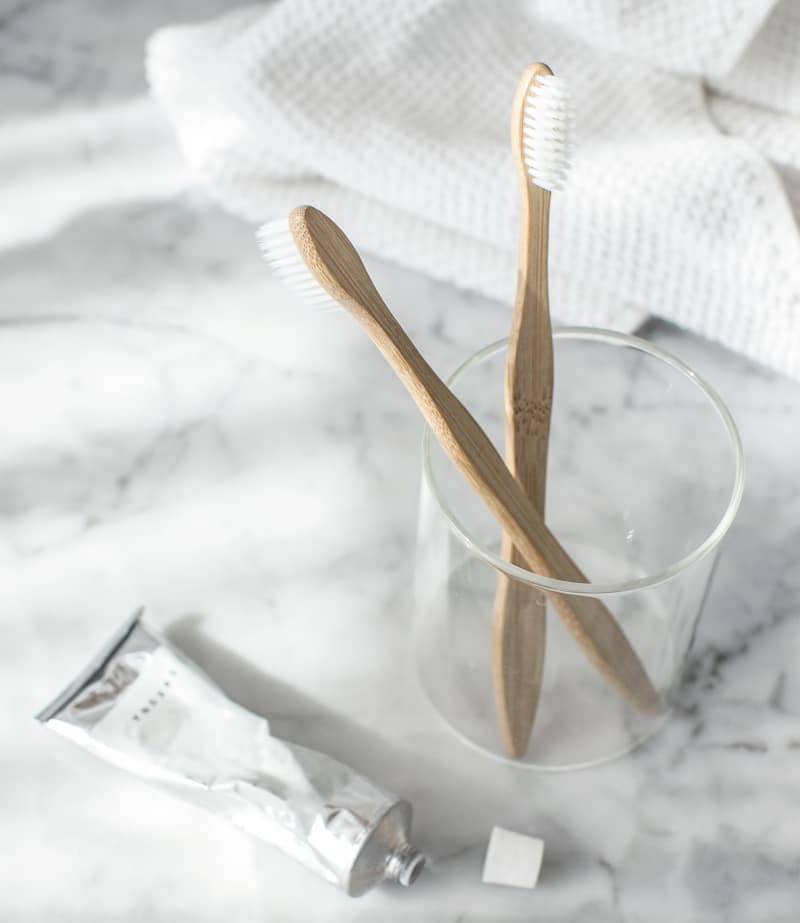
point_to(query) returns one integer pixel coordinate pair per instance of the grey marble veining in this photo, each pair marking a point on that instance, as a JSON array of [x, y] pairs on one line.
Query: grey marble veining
[[178, 431], [59, 54]]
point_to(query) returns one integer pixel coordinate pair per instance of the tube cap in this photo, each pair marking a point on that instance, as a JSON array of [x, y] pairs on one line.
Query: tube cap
[[513, 859]]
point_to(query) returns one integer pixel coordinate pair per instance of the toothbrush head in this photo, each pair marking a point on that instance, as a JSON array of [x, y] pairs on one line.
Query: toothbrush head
[[280, 250], [546, 136], [313, 256]]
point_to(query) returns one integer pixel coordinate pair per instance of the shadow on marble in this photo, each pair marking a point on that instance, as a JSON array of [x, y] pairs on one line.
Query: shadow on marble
[[291, 714], [455, 808]]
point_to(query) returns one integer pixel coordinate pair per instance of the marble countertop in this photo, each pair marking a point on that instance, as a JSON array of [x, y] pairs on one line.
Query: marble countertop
[[178, 431]]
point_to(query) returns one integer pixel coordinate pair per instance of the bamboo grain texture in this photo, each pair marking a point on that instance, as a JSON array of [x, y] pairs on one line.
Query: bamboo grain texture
[[336, 265], [519, 621]]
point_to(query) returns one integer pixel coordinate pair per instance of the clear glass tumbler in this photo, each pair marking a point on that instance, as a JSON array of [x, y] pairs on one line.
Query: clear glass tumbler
[[645, 475]]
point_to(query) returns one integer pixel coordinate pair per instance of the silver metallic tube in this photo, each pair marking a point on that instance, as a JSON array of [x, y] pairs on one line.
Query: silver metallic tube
[[145, 707]]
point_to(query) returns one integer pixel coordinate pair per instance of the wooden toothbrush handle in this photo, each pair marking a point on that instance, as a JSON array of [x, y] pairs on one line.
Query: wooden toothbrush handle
[[519, 622], [336, 265], [587, 618], [519, 632]]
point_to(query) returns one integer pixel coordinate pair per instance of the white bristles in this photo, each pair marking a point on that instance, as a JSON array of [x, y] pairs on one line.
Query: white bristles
[[547, 132], [280, 251]]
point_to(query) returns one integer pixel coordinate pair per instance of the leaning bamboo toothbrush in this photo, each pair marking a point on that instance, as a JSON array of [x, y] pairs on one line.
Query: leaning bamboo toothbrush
[[540, 142], [314, 257]]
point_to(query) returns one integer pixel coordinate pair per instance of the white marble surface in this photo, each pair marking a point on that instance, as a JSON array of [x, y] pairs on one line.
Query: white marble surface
[[176, 431]]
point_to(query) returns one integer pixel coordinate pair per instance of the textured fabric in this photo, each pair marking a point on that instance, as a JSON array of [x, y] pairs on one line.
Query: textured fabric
[[393, 118]]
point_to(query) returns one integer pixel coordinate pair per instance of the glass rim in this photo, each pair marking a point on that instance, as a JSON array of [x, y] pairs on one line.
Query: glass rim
[[618, 587]]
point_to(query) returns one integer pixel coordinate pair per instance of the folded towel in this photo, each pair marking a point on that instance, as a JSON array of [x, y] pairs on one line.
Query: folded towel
[[393, 118]]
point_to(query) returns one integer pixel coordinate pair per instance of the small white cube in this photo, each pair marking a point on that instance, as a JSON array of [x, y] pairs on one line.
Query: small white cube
[[512, 859]]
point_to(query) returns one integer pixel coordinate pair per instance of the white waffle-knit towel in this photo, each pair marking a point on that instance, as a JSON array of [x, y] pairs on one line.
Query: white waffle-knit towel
[[393, 118]]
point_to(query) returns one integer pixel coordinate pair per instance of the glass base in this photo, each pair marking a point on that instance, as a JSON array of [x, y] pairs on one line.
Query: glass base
[[536, 759], [580, 720]]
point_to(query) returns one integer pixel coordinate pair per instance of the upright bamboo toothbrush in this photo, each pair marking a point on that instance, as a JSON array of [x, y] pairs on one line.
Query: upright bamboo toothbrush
[[312, 255], [540, 142]]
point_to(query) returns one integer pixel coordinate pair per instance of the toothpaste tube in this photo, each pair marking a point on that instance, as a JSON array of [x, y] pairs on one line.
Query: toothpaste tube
[[143, 706]]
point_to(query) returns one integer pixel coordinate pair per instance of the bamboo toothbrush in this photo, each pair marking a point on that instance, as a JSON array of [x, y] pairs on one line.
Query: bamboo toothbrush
[[314, 257], [540, 142]]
